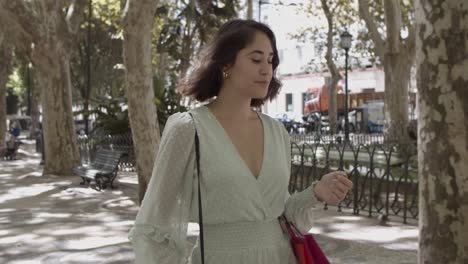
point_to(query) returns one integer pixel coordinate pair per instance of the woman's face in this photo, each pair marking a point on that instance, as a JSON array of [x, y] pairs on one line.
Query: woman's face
[[252, 71]]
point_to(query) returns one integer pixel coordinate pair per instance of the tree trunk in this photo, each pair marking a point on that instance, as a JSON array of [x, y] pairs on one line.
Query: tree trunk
[[6, 55], [34, 106], [187, 50], [137, 24], [442, 130], [397, 56], [60, 142], [189, 30], [51, 59], [397, 69], [335, 74], [249, 9], [331, 83], [45, 25], [34, 113]]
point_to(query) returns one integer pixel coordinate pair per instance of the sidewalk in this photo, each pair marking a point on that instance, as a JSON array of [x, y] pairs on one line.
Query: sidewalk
[[347, 238], [50, 219]]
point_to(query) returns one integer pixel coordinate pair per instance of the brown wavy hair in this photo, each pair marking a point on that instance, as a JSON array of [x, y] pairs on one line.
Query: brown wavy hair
[[205, 81]]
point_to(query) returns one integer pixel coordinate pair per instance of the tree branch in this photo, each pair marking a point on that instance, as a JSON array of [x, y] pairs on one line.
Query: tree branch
[[372, 27], [75, 15], [133, 11], [392, 11], [411, 40], [329, 56], [18, 22], [20, 33]]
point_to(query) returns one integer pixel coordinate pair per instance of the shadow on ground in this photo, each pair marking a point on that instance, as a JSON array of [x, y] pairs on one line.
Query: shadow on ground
[[51, 219]]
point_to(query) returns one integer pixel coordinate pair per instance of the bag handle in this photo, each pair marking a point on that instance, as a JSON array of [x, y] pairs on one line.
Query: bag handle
[[290, 227], [200, 212]]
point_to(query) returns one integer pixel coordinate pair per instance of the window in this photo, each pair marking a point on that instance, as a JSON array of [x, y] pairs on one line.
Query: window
[[368, 90], [304, 99], [289, 102], [299, 53]]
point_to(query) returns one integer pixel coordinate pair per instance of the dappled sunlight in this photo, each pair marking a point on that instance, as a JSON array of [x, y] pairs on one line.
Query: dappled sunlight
[[35, 221], [316, 230], [23, 262], [119, 203], [26, 240], [393, 235], [52, 215], [54, 219], [74, 191], [360, 239], [21, 192], [347, 218], [7, 171], [121, 224], [73, 231], [344, 226], [91, 242], [128, 178], [33, 174], [14, 238], [374, 234]]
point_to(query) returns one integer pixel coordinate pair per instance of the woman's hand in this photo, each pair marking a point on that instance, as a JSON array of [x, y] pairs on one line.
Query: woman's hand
[[333, 187]]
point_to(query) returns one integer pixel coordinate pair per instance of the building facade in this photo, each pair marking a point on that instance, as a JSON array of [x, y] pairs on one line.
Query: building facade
[[293, 92]]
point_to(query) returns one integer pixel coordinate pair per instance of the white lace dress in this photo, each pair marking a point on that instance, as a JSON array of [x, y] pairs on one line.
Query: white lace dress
[[239, 211]]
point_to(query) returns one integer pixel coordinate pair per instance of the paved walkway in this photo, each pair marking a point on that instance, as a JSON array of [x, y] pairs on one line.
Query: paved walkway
[[50, 219]]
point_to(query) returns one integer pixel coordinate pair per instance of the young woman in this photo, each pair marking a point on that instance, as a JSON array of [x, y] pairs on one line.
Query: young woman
[[245, 163]]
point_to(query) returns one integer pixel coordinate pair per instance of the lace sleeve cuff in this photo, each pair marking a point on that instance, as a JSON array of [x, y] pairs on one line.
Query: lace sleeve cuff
[[150, 232], [300, 208]]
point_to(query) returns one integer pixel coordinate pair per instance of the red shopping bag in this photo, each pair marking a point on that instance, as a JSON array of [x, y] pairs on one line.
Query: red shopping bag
[[305, 247]]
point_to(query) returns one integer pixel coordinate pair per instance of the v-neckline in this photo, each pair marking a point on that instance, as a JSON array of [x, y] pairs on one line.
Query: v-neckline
[[236, 151]]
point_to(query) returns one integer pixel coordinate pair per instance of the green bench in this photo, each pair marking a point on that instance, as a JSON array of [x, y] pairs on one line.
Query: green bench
[[103, 170]]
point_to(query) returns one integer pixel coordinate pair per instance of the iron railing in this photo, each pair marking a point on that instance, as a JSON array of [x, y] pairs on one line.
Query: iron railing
[[384, 183], [122, 142], [355, 139]]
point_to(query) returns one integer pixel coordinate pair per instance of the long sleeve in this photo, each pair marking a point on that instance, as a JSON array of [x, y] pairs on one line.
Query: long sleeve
[[300, 206], [159, 233]]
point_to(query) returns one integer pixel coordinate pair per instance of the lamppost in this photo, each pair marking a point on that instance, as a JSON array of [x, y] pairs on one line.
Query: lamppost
[[346, 39], [28, 73], [87, 90], [260, 3]]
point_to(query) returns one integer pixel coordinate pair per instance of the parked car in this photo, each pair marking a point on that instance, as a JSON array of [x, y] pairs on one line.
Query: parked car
[[23, 121], [311, 122], [289, 122], [374, 116], [18, 124]]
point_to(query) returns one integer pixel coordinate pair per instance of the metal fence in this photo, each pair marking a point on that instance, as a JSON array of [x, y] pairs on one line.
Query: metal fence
[[355, 139], [122, 142], [384, 183]]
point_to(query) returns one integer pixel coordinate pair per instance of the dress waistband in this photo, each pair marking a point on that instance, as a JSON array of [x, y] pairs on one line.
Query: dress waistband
[[240, 235]]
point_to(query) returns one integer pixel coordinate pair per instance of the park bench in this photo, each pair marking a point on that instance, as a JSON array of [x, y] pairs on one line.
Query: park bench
[[102, 170], [11, 149]]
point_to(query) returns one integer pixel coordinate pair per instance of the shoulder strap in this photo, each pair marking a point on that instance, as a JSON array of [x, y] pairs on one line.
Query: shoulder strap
[[200, 214]]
